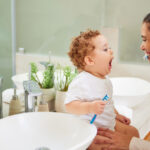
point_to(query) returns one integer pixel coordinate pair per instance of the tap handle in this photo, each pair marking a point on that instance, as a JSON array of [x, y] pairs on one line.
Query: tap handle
[[32, 88]]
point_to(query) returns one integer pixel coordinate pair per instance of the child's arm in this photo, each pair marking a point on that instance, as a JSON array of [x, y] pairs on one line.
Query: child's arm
[[79, 107]]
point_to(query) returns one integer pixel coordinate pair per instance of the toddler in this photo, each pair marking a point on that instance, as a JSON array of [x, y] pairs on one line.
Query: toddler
[[91, 54]]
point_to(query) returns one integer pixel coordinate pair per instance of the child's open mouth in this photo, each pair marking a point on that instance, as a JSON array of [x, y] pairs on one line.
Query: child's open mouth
[[110, 64]]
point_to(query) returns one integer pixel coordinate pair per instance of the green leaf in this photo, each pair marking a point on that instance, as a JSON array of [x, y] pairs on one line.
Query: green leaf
[[64, 77], [48, 80], [34, 68]]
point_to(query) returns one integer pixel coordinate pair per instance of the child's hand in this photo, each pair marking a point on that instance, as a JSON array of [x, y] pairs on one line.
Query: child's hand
[[97, 107], [123, 119]]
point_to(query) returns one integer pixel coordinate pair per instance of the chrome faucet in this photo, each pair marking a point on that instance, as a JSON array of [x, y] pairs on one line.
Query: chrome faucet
[[32, 90], [1, 103]]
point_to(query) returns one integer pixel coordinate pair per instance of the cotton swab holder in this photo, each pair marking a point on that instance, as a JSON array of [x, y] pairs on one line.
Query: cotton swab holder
[[43, 106], [106, 97]]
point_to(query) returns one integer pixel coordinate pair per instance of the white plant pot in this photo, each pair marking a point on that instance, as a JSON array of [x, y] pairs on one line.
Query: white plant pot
[[48, 95], [59, 101]]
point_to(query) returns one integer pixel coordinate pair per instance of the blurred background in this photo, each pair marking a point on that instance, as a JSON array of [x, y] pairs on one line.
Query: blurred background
[[42, 30], [40, 26]]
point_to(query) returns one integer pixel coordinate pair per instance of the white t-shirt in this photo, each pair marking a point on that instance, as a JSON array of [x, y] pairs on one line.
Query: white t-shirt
[[87, 87]]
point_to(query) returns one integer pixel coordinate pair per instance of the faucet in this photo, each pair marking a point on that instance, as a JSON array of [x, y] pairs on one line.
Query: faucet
[[32, 90], [1, 103]]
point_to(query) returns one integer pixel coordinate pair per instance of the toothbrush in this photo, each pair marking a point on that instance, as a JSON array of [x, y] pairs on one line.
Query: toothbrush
[[106, 97], [145, 57]]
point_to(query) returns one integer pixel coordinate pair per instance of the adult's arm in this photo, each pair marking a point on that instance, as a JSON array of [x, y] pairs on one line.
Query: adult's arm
[[138, 144], [117, 140], [120, 141]]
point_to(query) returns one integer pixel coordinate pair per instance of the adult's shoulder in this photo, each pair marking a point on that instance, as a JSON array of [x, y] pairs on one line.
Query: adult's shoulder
[[139, 144]]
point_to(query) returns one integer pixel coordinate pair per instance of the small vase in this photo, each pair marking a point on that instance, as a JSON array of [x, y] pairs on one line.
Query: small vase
[[48, 95], [59, 101], [43, 107]]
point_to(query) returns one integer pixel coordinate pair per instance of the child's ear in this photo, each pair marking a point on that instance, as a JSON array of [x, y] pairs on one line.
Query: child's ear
[[88, 60]]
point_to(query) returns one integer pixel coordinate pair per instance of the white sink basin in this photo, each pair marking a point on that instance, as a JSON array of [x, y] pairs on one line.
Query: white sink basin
[[54, 131], [19, 78], [131, 97], [130, 91]]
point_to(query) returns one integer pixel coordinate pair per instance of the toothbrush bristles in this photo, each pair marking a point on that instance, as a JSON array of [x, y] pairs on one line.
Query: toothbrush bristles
[[145, 57]]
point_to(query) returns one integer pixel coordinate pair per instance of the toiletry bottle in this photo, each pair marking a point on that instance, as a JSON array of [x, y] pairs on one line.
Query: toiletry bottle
[[15, 105]]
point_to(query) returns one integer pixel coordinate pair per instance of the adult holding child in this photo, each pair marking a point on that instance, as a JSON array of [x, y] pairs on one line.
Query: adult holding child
[[114, 139], [90, 52]]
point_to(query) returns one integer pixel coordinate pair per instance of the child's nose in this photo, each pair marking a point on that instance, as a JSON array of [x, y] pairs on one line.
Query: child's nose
[[142, 47], [111, 51]]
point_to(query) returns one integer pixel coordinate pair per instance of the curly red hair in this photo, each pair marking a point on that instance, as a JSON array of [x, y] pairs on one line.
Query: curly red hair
[[81, 46]]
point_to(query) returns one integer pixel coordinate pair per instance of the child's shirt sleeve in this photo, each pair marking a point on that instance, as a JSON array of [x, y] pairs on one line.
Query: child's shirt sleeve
[[76, 91]]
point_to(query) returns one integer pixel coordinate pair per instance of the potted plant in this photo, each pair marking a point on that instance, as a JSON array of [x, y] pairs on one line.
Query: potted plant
[[63, 77], [45, 80]]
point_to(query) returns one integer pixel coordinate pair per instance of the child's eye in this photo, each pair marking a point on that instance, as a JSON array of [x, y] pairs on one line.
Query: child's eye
[[106, 49]]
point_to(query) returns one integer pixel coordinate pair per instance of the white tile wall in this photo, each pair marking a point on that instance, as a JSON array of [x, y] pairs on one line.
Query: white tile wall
[[23, 61]]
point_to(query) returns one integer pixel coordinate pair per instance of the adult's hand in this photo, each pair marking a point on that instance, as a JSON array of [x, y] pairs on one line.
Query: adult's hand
[[99, 139], [117, 141], [123, 119]]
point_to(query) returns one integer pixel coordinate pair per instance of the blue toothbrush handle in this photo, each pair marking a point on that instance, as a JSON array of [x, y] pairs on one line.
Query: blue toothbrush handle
[[94, 117]]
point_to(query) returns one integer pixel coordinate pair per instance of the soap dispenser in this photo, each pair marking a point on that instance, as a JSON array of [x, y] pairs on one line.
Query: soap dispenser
[[15, 105]]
